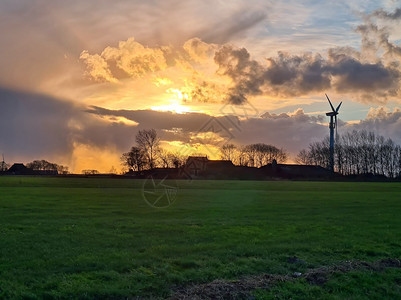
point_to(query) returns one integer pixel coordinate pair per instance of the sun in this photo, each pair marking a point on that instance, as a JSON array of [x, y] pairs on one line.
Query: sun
[[175, 98], [173, 106]]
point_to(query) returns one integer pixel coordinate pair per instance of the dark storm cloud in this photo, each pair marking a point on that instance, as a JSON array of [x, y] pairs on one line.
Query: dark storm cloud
[[371, 74], [34, 126], [291, 131], [188, 124], [247, 74], [353, 75], [294, 75]]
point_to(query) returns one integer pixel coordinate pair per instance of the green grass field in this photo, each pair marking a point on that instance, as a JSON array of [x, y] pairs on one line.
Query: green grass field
[[87, 238]]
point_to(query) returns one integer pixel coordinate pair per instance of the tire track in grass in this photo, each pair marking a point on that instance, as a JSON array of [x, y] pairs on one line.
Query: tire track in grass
[[242, 288]]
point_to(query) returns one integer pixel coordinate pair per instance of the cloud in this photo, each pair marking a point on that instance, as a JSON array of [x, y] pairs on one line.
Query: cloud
[[232, 26], [34, 126], [135, 59], [382, 14], [97, 67], [198, 50], [41, 40], [368, 75], [231, 74], [291, 131], [383, 122], [376, 43], [56, 34], [130, 58], [296, 75], [372, 80]]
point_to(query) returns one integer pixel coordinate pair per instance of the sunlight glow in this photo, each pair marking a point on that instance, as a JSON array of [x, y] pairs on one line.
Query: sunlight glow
[[174, 106]]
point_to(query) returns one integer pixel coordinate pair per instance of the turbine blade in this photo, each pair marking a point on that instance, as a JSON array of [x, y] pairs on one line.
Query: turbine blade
[[338, 107], [332, 107]]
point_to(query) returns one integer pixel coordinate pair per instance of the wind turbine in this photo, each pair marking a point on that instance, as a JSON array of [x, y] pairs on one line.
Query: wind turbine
[[333, 124], [3, 165]]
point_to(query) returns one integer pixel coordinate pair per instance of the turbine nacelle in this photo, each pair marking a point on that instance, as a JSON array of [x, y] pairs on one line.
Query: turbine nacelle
[[332, 114]]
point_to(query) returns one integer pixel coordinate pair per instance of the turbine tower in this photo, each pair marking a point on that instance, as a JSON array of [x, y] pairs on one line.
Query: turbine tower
[[333, 124]]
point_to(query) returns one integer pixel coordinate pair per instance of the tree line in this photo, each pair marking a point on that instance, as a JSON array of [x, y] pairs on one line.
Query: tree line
[[356, 153], [148, 154], [44, 165], [253, 155], [39, 165]]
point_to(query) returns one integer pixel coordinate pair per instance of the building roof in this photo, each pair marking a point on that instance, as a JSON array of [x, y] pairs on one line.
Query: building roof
[[17, 167], [200, 158]]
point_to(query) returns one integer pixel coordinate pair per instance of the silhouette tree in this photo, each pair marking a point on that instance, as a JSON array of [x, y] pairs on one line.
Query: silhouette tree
[[148, 142], [90, 172], [228, 152], [303, 158], [262, 154], [177, 159], [135, 159], [168, 159], [253, 155], [44, 165]]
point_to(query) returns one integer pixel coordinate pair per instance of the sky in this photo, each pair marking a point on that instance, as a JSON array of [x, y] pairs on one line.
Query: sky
[[79, 79]]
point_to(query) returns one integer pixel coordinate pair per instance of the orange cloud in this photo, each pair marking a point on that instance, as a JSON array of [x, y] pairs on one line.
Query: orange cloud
[[97, 67]]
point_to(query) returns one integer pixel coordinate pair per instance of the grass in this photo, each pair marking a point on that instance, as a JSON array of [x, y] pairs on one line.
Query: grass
[[353, 285], [91, 238]]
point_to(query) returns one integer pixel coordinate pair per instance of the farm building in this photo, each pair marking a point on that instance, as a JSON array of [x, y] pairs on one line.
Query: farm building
[[200, 166], [295, 171], [21, 169]]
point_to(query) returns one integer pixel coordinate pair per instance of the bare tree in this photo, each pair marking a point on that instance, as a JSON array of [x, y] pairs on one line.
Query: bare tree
[[240, 158], [228, 152], [164, 158], [134, 160], [90, 172], [148, 142], [177, 160], [62, 169], [303, 158], [257, 155]]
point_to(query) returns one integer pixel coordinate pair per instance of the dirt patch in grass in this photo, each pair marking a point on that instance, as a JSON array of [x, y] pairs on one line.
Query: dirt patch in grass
[[242, 288]]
